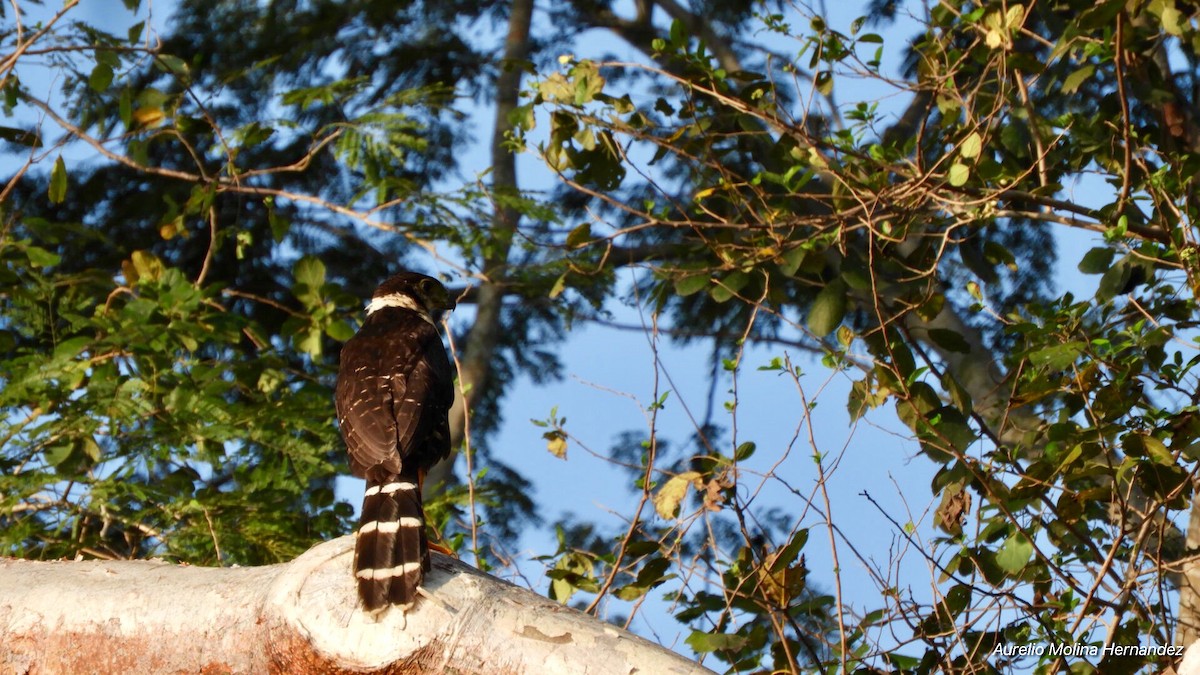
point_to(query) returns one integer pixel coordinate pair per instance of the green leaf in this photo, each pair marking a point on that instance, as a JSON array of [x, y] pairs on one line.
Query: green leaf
[[971, 146], [58, 454], [309, 342], [588, 82], [711, 642], [579, 236], [1158, 451], [309, 271], [971, 252], [125, 107], [958, 395], [254, 133], [522, 117], [1015, 553], [1057, 357], [728, 286], [959, 173], [788, 554], [173, 64], [1096, 261], [828, 308], [949, 340], [340, 331], [1143, 445], [690, 285], [58, 181], [824, 82], [631, 592], [792, 260], [40, 257], [29, 139], [863, 397], [101, 77], [678, 35], [571, 573], [652, 574], [70, 348], [1071, 84]]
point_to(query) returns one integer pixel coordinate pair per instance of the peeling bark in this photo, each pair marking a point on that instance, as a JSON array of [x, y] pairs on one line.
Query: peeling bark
[[297, 617]]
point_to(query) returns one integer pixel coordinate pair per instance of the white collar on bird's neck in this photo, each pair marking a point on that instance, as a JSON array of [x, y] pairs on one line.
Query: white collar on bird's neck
[[399, 300]]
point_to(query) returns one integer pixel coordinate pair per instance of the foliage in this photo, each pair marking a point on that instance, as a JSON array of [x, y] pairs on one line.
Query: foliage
[[137, 423], [173, 307], [915, 256]]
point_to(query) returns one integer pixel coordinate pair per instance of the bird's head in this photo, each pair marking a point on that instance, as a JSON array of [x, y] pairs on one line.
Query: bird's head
[[413, 291]]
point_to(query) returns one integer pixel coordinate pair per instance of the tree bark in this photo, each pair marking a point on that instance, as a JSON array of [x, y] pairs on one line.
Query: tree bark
[[298, 617], [1187, 630]]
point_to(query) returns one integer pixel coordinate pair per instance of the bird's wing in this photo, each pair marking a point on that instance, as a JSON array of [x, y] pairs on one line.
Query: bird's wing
[[422, 395], [364, 406], [394, 390]]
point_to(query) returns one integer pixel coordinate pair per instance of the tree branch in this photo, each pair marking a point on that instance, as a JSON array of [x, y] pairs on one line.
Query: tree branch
[[298, 617]]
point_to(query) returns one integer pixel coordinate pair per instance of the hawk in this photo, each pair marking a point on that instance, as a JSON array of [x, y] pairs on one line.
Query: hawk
[[394, 391]]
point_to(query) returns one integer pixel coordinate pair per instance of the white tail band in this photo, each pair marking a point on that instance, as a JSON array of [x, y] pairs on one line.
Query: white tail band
[[390, 526], [389, 488], [389, 572]]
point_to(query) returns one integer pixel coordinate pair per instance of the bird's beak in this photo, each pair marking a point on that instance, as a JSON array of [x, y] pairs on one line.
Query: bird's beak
[[439, 307]]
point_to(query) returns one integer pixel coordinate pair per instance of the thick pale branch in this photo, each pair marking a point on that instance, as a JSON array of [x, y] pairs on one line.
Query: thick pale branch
[[298, 617]]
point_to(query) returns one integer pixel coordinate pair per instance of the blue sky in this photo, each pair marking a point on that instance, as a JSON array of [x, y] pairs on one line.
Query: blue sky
[[612, 375]]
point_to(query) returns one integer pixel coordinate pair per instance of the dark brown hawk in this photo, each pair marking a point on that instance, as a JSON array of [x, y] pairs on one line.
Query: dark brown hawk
[[394, 391]]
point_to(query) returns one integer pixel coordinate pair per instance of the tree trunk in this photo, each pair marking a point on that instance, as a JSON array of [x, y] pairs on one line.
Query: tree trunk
[[298, 617], [479, 350], [1187, 630]]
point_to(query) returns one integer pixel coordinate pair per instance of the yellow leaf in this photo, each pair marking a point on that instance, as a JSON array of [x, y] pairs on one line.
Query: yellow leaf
[[149, 116], [816, 160], [169, 229], [971, 146], [959, 173], [666, 502], [147, 265], [557, 446], [1014, 17], [130, 272]]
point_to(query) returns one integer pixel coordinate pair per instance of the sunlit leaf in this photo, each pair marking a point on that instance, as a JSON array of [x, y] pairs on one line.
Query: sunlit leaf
[[668, 497], [1015, 553], [58, 181]]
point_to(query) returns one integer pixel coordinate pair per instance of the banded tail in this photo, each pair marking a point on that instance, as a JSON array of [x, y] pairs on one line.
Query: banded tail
[[391, 555]]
